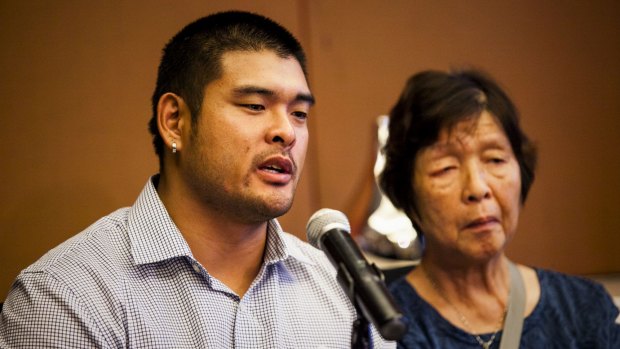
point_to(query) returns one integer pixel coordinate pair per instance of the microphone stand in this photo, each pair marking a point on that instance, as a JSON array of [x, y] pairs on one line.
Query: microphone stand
[[360, 336]]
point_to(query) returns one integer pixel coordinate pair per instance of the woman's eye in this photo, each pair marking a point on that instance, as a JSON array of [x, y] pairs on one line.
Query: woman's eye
[[497, 160], [443, 171]]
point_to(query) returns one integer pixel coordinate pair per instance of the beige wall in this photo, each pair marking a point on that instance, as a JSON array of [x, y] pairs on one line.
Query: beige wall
[[77, 78]]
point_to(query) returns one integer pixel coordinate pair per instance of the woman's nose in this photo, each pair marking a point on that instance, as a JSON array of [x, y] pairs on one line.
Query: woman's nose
[[475, 187]]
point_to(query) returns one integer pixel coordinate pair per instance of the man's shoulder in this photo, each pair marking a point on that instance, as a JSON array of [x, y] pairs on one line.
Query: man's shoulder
[[101, 242], [75, 285]]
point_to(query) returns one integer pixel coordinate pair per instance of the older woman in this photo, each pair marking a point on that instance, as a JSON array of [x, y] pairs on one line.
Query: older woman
[[459, 165]]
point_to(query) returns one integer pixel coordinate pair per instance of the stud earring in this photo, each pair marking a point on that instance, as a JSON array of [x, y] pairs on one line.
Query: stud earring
[[174, 147]]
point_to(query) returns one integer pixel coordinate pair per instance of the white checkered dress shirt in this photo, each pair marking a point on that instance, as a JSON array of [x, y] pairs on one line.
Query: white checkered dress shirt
[[130, 281]]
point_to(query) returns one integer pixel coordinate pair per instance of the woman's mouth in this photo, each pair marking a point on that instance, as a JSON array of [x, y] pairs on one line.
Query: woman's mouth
[[481, 222]]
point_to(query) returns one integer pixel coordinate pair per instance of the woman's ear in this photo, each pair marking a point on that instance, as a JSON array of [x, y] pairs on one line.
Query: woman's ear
[[170, 120]]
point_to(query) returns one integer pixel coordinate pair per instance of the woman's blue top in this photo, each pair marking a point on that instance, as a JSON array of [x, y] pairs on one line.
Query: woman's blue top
[[572, 312]]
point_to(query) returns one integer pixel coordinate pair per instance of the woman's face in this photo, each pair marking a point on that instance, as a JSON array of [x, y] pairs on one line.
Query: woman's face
[[468, 189]]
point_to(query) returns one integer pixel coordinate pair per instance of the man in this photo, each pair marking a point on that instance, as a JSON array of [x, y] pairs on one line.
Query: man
[[200, 260]]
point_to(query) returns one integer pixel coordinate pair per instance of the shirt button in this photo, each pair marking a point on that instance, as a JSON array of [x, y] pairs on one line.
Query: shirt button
[[196, 268]]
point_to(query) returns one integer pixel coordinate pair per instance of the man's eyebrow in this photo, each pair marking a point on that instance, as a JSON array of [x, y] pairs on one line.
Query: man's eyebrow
[[305, 97], [251, 90]]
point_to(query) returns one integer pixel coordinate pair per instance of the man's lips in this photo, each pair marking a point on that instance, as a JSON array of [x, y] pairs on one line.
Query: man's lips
[[277, 165], [277, 170]]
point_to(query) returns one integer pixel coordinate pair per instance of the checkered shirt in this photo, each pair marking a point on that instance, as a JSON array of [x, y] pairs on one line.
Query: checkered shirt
[[130, 281]]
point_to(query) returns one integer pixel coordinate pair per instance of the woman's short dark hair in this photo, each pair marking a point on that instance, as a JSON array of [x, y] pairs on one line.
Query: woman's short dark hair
[[432, 101]]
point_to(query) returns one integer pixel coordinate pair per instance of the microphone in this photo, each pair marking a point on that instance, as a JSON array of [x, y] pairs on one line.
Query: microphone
[[329, 231]]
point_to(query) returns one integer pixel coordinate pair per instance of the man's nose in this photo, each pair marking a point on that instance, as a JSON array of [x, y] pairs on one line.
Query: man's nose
[[281, 130]]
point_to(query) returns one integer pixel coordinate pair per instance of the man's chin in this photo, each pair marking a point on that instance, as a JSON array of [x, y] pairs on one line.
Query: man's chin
[[270, 208], [279, 210]]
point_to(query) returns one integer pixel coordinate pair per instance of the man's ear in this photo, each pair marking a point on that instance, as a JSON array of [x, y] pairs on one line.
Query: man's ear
[[171, 110]]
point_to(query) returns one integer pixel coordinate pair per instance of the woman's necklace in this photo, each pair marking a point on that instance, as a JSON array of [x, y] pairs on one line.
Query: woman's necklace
[[483, 344]]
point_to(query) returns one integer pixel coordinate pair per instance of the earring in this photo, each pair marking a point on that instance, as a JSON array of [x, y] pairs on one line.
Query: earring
[[174, 147]]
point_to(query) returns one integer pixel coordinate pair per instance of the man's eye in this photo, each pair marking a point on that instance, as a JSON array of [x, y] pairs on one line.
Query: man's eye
[[300, 115], [254, 107]]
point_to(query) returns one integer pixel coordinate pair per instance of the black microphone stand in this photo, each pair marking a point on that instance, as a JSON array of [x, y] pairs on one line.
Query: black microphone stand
[[360, 336]]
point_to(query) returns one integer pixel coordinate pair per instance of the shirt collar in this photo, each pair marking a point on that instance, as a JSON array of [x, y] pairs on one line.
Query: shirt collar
[[279, 247], [154, 237]]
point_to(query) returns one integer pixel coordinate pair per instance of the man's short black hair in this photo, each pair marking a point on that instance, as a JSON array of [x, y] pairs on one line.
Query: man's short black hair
[[192, 58]]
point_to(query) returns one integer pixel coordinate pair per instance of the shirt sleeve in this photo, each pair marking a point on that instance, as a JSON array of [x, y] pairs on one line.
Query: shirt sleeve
[[42, 312]]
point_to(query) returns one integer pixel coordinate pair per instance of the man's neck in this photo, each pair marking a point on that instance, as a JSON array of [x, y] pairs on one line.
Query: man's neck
[[231, 251]]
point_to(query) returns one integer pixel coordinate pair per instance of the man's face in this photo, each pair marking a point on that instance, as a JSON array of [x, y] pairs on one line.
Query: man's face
[[245, 154]]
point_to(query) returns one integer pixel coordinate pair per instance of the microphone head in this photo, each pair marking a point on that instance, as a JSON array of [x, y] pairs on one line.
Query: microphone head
[[323, 221]]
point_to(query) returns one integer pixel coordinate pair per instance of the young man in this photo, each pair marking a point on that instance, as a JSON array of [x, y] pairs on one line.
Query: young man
[[200, 260]]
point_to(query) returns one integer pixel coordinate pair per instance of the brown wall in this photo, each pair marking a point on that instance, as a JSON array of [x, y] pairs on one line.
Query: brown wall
[[77, 78]]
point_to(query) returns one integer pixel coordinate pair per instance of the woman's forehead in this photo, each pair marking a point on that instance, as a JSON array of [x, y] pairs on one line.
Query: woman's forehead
[[482, 129]]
